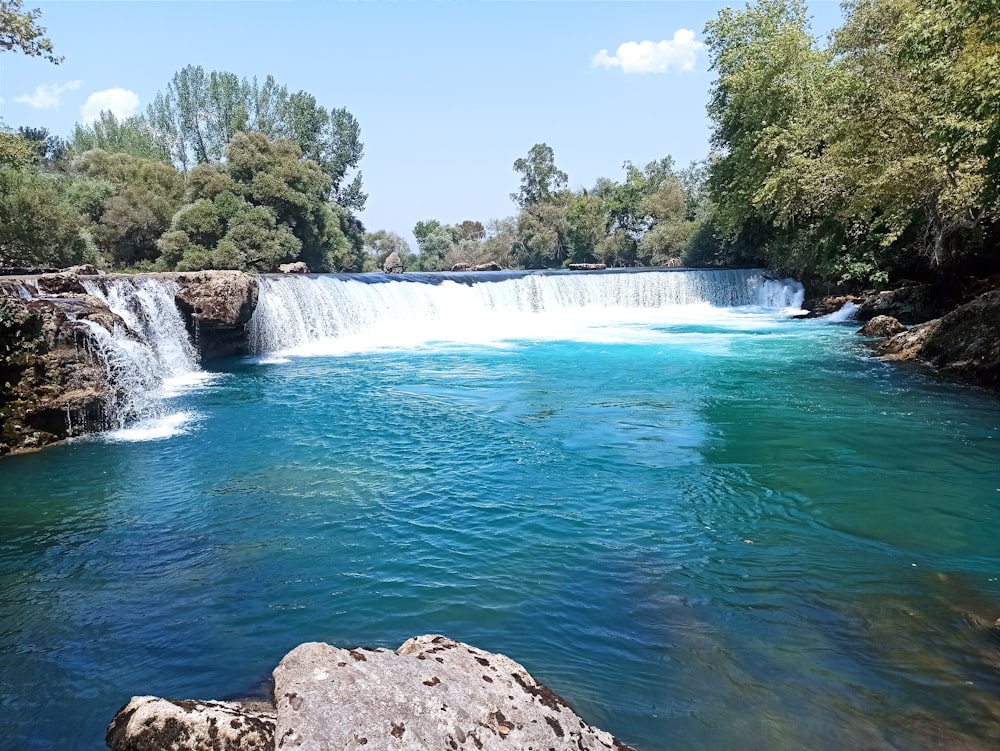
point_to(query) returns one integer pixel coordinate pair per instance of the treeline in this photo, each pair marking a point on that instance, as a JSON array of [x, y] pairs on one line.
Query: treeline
[[870, 158], [220, 172], [651, 218]]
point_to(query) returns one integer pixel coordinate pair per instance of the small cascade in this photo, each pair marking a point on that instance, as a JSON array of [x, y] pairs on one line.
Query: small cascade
[[296, 311], [146, 354]]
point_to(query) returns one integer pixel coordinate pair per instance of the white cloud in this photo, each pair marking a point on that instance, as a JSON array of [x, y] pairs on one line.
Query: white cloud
[[46, 96], [679, 53], [122, 102]]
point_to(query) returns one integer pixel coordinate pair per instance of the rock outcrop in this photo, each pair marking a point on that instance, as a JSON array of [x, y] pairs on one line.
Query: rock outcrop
[[431, 693], [964, 344], [54, 381], [217, 306], [910, 303], [882, 327], [147, 723], [393, 264], [587, 266], [298, 267]]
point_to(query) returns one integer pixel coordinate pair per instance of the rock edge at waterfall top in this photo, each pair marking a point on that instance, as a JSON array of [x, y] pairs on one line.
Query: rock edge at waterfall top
[[431, 693]]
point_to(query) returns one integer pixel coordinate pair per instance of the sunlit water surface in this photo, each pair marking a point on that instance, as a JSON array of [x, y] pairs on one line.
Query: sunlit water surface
[[714, 530]]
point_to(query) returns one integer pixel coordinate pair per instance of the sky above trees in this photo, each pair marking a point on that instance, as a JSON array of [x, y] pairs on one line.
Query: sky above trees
[[448, 95]]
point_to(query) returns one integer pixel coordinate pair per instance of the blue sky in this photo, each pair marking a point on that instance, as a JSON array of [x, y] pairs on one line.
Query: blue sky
[[448, 94]]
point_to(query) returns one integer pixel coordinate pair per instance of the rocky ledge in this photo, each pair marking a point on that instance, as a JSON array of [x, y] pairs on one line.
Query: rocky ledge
[[54, 381], [963, 344], [432, 693], [53, 377]]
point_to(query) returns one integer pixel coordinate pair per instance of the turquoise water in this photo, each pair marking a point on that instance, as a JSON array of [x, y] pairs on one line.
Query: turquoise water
[[704, 530]]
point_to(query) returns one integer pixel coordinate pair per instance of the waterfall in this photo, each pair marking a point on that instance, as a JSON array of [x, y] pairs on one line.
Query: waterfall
[[293, 312], [147, 356]]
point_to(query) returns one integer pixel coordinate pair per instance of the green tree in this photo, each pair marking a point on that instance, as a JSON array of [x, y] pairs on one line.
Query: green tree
[[262, 207], [147, 193], [541, 180], [18, 30], [434, 241], [15, 150], [131, 135], [38, 225]]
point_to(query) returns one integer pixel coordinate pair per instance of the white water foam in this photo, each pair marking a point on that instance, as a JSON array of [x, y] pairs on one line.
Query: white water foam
[[327, 315], [846, 313], [149, 358], [153, 428]]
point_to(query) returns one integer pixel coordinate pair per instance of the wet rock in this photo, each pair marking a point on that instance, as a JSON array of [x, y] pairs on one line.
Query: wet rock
[[964, 344], [462, 267], [61, 283], [298, 267], [147, 723], [393, 264], [431, 693], [882, 327], [910, 303], [54, 380], [587, 266], [217, 305], [491, 266]]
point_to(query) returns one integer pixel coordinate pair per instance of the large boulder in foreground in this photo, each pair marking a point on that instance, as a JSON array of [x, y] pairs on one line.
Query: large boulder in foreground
[[431, 693], [147, 724], [217, 305], [964, 344]]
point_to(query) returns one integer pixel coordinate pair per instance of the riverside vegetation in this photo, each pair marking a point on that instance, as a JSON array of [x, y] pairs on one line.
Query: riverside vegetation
[[862, 160]]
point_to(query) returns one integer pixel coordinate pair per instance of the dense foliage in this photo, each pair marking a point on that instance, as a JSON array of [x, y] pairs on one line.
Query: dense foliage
[[652, 218], [872, 157], [220, 173], [869, 159]]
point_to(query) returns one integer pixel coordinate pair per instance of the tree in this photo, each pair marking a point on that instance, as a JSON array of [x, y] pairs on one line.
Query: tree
[[198, 115], [541, 180], [434, 241], [146, 195], [15, 150], [38, 226], [131, 135], [19, 30], [49, 149], [262, 207]]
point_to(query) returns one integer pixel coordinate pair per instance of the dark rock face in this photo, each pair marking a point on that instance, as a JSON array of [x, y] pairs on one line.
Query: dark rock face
[[964, 344], [393, 264], [587, 266], [462, 267], [431, 693], [910, 304], [882, 327], [54, 383], [299, 267], [217, 305], [491, 266], [147, 723]]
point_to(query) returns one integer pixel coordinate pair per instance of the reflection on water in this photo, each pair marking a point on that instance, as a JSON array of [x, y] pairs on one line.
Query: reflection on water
[[771, 544]]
